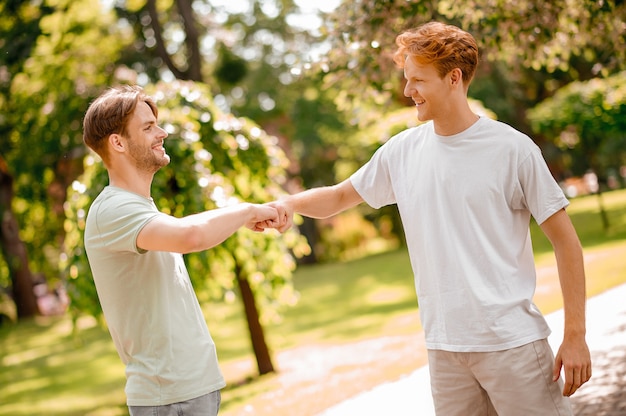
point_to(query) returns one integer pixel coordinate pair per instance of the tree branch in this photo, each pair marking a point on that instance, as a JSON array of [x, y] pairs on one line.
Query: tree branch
[[160, 43], [194, 69]]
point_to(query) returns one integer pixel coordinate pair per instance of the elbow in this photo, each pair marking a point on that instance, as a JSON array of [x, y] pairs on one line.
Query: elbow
[[571, 250], [342, 197], [192, 239]]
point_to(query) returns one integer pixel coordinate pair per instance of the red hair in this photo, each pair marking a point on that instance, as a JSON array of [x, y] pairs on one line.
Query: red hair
[[445, 46]]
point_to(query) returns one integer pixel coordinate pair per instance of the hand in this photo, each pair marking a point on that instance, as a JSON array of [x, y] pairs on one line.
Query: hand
[[574, 357], [285, 215], [262, 217], [284, 220]]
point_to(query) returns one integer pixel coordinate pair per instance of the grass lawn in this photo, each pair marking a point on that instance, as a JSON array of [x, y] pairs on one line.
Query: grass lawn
[[346, 310]]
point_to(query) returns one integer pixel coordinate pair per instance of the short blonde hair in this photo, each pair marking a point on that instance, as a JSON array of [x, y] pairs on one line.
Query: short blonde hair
[[444, 46], [110, 113]]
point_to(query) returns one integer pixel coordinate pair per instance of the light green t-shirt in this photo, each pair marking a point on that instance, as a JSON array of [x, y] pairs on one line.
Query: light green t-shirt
[[149, 304]]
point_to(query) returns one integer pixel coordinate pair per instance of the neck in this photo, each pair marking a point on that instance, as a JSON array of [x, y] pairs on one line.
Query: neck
[[458, 118], [137, 183]]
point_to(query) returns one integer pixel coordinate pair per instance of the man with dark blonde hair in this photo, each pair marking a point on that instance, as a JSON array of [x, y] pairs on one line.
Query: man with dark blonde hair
[[466, 187], [135, 255]]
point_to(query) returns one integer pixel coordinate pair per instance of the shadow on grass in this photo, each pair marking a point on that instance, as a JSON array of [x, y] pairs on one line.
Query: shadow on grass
[[47, 370], [348, 301]]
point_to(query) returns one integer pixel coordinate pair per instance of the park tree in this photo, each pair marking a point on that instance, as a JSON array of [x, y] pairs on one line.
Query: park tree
[[48, 73], [586, 120], [280, 41], [247, 51], [20, 22], [14, 251]]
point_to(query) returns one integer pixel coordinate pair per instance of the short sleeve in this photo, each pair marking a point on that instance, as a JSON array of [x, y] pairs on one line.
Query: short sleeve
[[373, 180], [118, 222], [543, 195]]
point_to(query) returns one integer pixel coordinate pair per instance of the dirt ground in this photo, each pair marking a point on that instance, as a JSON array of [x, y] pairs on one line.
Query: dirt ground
[[313, 378]]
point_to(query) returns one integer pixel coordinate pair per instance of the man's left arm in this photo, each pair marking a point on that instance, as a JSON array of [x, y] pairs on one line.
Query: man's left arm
[[573, 355]]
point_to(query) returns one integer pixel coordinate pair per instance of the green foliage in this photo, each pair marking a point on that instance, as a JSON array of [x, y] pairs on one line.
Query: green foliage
[[216, 160], [19, 30], [587, 121], [231, 69], [546, 35], [64, 48], [317, 131]]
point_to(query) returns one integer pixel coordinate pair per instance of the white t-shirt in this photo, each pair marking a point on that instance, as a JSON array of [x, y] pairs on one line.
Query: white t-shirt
[[149, 304], [465, 202]]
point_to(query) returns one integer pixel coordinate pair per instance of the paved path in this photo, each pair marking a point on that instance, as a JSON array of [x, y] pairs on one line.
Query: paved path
[[603, 395]]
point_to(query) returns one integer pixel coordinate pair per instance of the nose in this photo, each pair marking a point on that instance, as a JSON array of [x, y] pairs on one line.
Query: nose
[[163, 132], [408, 89]]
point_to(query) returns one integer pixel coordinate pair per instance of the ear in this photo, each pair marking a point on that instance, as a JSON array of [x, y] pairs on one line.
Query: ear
[[117, 143], [456, 77]]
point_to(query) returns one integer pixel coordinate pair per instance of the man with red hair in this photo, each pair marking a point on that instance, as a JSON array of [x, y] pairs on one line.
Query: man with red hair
[[466, 187]]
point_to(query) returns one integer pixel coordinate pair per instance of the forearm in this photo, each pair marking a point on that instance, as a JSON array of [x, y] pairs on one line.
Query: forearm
[[573, 356], [571, 271], [210, 228], [325, 201]]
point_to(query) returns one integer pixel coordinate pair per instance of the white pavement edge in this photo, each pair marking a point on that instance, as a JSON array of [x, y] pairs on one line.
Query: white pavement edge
[[411, 395]]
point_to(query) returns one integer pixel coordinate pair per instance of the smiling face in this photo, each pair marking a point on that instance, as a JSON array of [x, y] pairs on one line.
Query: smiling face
[[429, 91], [145, 140]]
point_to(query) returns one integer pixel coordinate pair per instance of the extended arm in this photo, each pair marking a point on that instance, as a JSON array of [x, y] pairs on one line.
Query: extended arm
[[573, 355], [320, 202], [203, 230]]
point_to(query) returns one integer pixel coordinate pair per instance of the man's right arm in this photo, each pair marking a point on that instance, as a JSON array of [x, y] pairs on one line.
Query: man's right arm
[[320, 202], [203, 230]]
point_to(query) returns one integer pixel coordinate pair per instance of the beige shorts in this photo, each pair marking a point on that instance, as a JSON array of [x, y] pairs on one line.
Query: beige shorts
[[506, 383]]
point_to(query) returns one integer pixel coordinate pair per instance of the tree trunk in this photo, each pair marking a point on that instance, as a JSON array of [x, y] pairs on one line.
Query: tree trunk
[[257, 337], [14, 250], [193, 69], [309, 230], [603, 214], [67, 169]]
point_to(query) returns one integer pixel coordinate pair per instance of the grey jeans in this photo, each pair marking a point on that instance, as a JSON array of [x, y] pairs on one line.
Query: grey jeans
[[207, 405]]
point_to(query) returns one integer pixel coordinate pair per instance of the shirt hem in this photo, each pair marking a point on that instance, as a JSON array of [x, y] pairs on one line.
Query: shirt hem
[[487, 348], [166, 401]]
